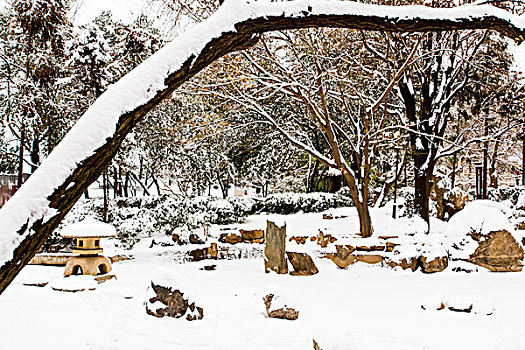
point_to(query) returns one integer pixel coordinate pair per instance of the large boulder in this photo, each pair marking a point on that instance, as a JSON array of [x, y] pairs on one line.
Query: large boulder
[[479, 217], [482, 234], [498, 251]]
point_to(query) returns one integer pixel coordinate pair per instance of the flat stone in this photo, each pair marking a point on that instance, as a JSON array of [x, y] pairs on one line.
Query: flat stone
[[230, 238], [370, 259], [104, 278], [252, 236]]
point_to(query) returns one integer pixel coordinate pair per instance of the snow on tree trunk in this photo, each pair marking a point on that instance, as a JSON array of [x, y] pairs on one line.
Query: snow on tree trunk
[[86, 151]]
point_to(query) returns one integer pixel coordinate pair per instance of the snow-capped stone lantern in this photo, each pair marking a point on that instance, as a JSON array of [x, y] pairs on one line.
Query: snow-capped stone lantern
[[87, 234]]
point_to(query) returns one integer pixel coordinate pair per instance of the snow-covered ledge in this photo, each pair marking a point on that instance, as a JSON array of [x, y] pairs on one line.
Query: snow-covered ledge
[[38, 207]]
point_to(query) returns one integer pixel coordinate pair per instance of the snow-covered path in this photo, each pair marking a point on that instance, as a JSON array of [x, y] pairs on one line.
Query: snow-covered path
[[364, 307]]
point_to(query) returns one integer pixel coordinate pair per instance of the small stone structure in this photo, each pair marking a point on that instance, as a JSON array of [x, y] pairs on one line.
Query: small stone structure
[[87, 234]]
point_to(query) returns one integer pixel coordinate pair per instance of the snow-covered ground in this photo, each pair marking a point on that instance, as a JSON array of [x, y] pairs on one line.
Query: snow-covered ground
[[362, 307]]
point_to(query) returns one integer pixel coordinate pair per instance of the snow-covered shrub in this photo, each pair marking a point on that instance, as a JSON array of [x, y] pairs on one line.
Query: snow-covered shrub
[[146, 216], [510, 193], [288, 203]]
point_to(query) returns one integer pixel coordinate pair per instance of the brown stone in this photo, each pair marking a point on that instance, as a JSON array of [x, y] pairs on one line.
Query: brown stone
[[230, 238], [275, 248], [302, 263], [172, 302], [284, 313], [41, 284], [410, 263], [252, 236], [117, 258], [498, 252], [323, 239], [342, 263], [344, 251], [520, 226], [387, 237], [456, 201], [328, 216], [194, 313], [343, 257], [176, 238], [374, 248], [390, 246], [298, 239], [210, 252], [370, 259], [102, 279], [194, 239], [436, 265]]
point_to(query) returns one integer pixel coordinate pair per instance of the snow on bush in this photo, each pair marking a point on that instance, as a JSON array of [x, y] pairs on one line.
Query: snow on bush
[[149, 216]]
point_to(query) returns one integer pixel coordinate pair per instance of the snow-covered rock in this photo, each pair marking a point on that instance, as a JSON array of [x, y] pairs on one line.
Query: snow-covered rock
[[74, 284], [480, 217], [433, 302]]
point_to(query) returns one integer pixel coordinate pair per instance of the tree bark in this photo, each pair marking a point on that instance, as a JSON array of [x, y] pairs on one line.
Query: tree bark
[[21, 159], [422, 179], [278, 16]]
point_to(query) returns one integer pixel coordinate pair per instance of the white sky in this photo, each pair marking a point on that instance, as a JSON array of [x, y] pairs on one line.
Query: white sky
[[86, 10]]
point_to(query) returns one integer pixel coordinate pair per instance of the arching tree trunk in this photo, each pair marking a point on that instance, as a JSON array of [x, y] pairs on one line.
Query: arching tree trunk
[[28, 219]]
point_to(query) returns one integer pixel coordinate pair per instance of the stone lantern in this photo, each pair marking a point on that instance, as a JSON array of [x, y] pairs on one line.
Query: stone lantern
[[87, 234]]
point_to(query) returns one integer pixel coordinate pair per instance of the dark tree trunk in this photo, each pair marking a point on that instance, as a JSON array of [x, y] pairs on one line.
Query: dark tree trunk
[[21, 158], [35, 155], [126, 185], [422, 179], [115, 183], [105, 190]]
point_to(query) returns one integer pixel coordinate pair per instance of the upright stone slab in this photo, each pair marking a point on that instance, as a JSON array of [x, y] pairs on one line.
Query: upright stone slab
[[274, 251], [302, 264]]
